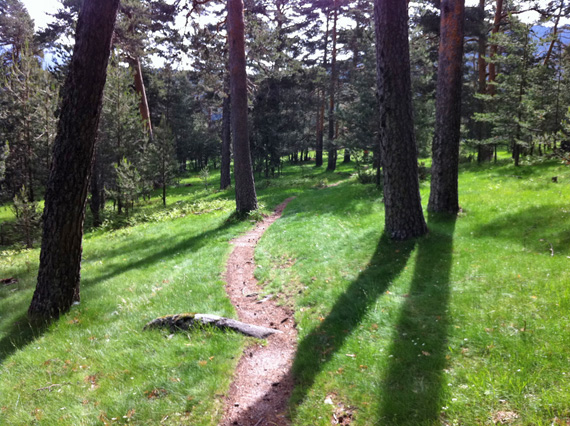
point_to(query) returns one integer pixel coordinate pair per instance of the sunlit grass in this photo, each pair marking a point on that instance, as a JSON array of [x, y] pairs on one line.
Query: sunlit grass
[[467, 325]]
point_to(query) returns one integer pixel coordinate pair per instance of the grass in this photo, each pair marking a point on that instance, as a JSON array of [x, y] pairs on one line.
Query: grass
[[465, 326], [468, 325]]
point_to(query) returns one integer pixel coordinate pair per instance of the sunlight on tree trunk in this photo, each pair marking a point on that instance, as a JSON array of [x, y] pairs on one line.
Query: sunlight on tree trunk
[[444, 197], [66, 193], [246, 198], [404, 216]]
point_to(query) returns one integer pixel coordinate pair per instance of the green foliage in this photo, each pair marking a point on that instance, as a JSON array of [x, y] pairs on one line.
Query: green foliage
[[205, 176], [121, 138], [128, 185], [16, 30], [27, 122], [28, 218], [517, 113], [4, 151]]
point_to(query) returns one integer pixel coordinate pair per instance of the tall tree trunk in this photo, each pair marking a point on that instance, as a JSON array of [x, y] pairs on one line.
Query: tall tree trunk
[[321, 122], [66, 193], [246, 198], [444, 197], [484, 151], [494, 47], [331, 164], [404, 216], [225, 179], [319, 133]]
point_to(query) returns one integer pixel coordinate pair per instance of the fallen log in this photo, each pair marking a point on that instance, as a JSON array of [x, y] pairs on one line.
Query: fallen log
[[188, 320]]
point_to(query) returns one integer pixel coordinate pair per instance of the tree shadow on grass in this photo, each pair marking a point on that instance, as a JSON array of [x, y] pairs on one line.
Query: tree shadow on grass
[[19, 334], [191, 244], [412, 388], [318, 347], [538, 228]]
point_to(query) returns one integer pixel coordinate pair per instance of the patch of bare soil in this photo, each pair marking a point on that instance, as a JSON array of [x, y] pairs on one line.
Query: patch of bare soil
[[263, 382]]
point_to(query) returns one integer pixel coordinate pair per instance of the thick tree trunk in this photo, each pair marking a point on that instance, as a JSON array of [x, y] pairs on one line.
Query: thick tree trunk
[[135, 64], [331, 164], [444, 197], [225, 178], [68, 184], [246, 198], [404, 216]]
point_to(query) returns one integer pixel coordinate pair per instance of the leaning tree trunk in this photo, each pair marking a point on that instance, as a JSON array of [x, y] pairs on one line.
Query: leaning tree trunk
[[444, 196], [225, 176], [68, 184], [135, 64], [404, 216], [246, 198]]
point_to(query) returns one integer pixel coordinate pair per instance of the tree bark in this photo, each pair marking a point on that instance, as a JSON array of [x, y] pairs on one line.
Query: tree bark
[[404, 216], [66, 193], [246, 198], [331, 163], [225, 178], [187, 321], [320, 132], [135, 64], [444, 197], [321, 119]]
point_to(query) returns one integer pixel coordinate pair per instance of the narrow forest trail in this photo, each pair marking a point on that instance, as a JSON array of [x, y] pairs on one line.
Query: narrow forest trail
[[262, 382]]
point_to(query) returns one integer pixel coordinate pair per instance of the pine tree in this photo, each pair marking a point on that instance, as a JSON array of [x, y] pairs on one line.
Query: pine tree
[[120, 134], [27, 123], [159, 158], [246, 197], [444, 197], [66, 193], [404, 217]]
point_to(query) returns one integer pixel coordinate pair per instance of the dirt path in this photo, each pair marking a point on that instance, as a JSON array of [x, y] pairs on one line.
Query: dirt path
[[262, 383]]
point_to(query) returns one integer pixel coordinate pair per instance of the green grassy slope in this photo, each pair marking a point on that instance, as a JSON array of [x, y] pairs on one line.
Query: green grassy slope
[[468, 325]]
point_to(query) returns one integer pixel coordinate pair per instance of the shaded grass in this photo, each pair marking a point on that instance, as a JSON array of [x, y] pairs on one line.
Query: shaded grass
[[460, 327]]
